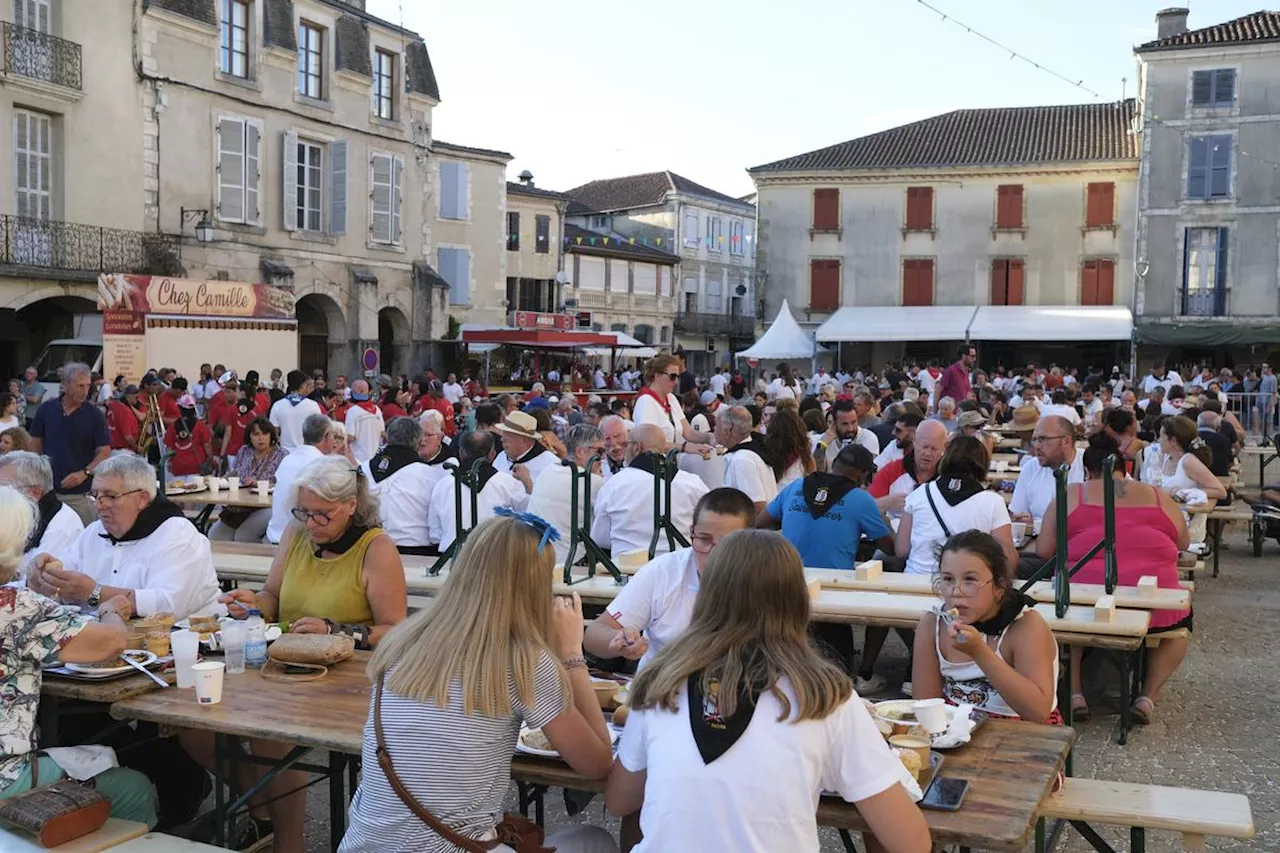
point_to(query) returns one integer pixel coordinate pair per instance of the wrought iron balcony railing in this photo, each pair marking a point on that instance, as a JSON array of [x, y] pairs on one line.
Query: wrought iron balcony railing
[[69, 246], [715, 324], [40, 56]]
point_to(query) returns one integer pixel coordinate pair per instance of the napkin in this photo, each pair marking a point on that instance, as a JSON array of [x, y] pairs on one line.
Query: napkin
[[958, 732], [1191, 497], [83, 762]]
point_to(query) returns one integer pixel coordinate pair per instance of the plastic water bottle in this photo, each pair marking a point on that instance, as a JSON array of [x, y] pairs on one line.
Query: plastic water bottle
[[255, 646]]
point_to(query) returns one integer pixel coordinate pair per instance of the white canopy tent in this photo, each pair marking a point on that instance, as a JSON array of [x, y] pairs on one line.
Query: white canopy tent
[[783, 339], [897, 323], [1051, 323]]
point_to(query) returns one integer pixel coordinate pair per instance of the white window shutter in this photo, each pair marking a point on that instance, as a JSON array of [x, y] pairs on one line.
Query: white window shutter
[[397, 175], [338, 187], [231, 169], [252, 173], [289, 181], [380, 198]]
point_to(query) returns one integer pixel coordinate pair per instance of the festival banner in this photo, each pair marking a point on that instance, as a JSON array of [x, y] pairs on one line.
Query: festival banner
[[120, 294]]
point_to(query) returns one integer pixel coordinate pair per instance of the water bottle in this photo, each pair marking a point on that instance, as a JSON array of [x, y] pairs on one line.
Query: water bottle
[[255, 645]]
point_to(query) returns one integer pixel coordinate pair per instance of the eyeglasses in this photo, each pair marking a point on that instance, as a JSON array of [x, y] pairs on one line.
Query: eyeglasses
[[969, 587], [674, 377], [703, 543], [108, 499], [303, 516], [1043, 439]]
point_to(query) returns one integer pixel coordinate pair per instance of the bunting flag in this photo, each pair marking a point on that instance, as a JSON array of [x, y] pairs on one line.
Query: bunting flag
[[644, 241]]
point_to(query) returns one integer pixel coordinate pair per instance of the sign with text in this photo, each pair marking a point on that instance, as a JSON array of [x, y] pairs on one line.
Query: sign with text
[[154, 294], [535, 320]]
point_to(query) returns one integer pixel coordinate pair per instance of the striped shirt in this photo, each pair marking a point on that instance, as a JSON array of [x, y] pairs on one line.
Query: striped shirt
[[457, 766]]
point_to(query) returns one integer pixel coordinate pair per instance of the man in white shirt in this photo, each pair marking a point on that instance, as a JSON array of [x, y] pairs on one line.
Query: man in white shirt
[[403, 484], [718, 382], [497, 488], [522, 449], [365, 425], [291, 410], [624, 519], [31, 474], [616, 435], [745, 469], [317, 437], [598, 379], [1061, 409], [819, 380], [141, 548], [905, 425], [1053, 444], [553, 489], [452, 390], [842, 429], [1162, 377]]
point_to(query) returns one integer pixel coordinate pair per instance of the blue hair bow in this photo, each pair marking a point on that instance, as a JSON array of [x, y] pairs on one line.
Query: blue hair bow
[[537, 522]]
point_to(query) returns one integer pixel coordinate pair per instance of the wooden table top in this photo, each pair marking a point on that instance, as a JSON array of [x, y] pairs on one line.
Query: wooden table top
[[1010, 766], [1256, 450], [103, 692], [243, 498]]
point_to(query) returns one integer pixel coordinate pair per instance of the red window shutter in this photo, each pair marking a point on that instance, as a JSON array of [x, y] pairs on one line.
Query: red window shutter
[[1106, 283], [1009, 206], [1100, 207], [1089, 283], [919, 208], [824, 285], [1016, 269], [826, 210], [917, 282], [999, 278]]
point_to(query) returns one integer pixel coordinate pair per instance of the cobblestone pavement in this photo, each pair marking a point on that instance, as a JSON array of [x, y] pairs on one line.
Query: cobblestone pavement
[[1215, 727]]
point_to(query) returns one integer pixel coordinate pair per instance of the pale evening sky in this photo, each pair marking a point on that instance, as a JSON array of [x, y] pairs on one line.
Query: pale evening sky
[[582, 90]]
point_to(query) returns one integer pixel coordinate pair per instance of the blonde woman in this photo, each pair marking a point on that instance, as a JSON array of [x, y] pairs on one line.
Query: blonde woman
[[341, 443], [742, 712], [453, 685]]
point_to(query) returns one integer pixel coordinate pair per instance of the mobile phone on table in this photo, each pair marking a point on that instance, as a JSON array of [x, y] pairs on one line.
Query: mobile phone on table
[[945, 794]]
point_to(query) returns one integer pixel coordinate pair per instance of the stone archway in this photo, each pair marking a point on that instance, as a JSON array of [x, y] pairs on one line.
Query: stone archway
[[394, 341], [322, 333], [27, 325]]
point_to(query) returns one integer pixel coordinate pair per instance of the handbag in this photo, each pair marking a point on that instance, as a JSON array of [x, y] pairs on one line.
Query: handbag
[[515, 831], [57, 813], [311, 653]]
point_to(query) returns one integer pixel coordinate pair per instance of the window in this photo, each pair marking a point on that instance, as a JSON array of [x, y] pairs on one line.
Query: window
[[27, 51], [735, 237], [826, 209], [1009, 206], [1209, 167], [233, 47], [715, 295], [455, 268], [542, 234], [1007, 275], [384, 85], [691, 303], [513, 231], [917, 281], [307, 187], [1100, 206], [1098, 282], [715, 233], [599, 223], [386, 172], [310, 57], [238, 170], [32, 15], [919, 208], [33, 164], [310, 186], [691, 228], [824, 284], [1204, 272], [1216, 88], [453, 190], [664, 334]]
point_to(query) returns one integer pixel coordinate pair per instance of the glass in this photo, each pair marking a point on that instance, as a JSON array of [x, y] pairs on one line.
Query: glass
[[968, 587], [233, 641], [109, 499], [186, 651], [303, 516], [1042, 439], [674, 377], [703, 543]]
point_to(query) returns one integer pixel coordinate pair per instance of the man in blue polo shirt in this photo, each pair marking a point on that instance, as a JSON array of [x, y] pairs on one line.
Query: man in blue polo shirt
[[73, 434]]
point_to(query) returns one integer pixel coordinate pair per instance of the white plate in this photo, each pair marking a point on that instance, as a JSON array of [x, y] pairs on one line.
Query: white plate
[[529, 750], [906, 704], [148, 658]]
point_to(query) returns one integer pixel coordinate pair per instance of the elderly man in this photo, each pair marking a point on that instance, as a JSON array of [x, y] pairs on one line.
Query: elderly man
[[291, 410], [497, 489], [552, 490], [403, 484], [947, 413], [365, 425], [434, 448], [142, 548], [892, 483], [1053, 444], [317, 437], [523, 454], [73, 434], [59, 524], [745, 467], [451, 390], [616, 434], [624, 519]]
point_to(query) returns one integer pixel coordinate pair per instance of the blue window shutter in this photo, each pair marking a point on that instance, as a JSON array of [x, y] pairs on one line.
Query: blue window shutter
[[1198, 167], [464, 274], [448, 190], [1224, 87], [455, 268], [1219, 166], [1201, 88], [1220, 292]]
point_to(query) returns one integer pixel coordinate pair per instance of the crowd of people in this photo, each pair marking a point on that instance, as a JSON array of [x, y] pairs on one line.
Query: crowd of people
[[773, 475]]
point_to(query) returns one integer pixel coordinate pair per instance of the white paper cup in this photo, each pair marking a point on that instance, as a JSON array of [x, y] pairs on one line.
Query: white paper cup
[[932, 715], [233, 483], [197, 481], [208, 675], [213, 484], [263, 487], [1002, 465], [1019, 530], [186, 651], [1035, 525]]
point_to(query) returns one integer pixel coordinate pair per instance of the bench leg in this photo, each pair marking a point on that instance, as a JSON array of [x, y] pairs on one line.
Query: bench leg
[[1126, 666], [1217, 544], [847, 840], [1096, 841], [1137, 839], [1192, 843]]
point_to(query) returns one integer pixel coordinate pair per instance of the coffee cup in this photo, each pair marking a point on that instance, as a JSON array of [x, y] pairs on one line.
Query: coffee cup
[[932, 714], [197, 482], [233, 483], [213, 484], [913, 743], [208, 678]]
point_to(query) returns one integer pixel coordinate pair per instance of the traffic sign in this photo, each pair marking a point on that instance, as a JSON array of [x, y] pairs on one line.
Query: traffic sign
[[370, 359]]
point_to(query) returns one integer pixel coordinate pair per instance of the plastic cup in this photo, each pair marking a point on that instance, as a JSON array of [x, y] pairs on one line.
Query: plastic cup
[[1002, 465], [213, 484], [208, 676], [197, 481], [233, 483], [263, 487], [1019, 530], [186, 652], [932, 714], [1035, 525], [233, 640]]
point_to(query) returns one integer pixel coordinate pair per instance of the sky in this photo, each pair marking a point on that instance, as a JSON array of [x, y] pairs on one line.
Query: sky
[[578, 90]]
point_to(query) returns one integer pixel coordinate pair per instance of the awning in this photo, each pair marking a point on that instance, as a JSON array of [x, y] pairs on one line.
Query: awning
[[897, 323], [1207, 334], [1051, 323], [538, 338], [625, 352]]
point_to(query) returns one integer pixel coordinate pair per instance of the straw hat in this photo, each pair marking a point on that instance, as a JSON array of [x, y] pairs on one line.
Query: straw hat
[[1025, 418], [521, 424], [968, 420]]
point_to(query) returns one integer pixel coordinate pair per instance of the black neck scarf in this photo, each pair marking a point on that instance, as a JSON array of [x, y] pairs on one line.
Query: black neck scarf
[[443, 454], [483, 475], [390, 460], [345, 542], [533, 453], [614, 467], [713, 733], [648, 461], [822, 491], [149, 520], [955, 490], [1010, 608], [49, 506]]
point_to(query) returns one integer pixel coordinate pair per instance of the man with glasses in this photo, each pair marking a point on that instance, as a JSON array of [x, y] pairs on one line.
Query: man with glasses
[[1053, 444], [317, 441], [616, 434], [553, 488], [141, 548]]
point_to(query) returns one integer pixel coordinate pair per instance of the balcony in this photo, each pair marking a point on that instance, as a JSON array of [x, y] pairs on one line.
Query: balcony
[[1205, 302], [41, 57], [73, 248], [715, 324]]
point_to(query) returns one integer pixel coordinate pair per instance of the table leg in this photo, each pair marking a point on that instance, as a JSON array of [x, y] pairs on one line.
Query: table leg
[[337, 799], [1137, 840], [49, 711], [1217, 543], [1125, 699], [219, 796], [201, 521], [847, 840]]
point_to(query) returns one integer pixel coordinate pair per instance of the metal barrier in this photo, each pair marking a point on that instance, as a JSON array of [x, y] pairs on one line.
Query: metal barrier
[[662, 509], [579, 528], [460, 479], [1256, 412]]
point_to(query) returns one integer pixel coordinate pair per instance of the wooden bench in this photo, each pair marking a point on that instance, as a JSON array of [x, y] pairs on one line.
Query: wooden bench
[[1194, 814], [110, 836]]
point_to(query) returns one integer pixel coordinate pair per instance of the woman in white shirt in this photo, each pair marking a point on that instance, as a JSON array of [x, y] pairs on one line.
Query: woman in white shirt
[[785, 386], [657, 404], [956, 500], [9, 412], [742, 712]]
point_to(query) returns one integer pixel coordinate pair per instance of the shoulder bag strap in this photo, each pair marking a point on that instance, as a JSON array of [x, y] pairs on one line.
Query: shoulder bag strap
[[384, 761], [933, 506]]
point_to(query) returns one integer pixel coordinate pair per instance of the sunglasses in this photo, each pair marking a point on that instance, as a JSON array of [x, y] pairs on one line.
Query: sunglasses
[[674, 377]]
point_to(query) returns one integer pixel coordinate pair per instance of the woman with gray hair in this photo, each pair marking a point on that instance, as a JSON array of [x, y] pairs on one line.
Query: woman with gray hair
[[59, 526]]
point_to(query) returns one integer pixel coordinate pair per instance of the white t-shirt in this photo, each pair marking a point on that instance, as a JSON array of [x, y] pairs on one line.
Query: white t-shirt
[[282, 499], [442, 519], [404, 501], [1170, 379], [658, 599], [865, 438], [364, 432], [624, 510], [984, 511], [779, 390], [647, 410], [288, 417], [1061, 410], [550, 499], [64, 529], [749, 474], [761, 796], [544, 460], [891, 453], [452, 392], [718, 382], [1035, 487]]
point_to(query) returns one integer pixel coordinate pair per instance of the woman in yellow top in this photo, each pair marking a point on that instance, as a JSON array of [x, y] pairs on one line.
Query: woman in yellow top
[[335, 571]]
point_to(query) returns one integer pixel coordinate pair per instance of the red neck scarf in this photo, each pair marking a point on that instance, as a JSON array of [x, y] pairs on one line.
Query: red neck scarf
[[368, 405], [664, 402]]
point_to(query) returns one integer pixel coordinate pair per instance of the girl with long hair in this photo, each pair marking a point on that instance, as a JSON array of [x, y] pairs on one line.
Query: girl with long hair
[[785, 386], [790, 451], [742, 712]]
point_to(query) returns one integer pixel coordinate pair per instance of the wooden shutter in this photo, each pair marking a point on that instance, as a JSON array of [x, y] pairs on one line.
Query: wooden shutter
[[826, 209], [1219, 160], [252, 172], [338, 187], [1100, 205], [1016, 275], [919, 208], [1201, 88], [380, 198], [289, 181], [513, 230], [824, 284], [460, 190], [1098, 282], [33, 164], [1009, 206], [1224, 87], [917, 281], [1198, 167], [231, 169], [1007, 281]]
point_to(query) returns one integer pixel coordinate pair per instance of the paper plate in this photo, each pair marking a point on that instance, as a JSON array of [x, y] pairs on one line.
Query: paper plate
[[143, 657], [521, 746]]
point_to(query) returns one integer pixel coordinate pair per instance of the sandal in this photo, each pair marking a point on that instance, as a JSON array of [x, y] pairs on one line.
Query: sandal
[[1079, 708], [1142, 710]]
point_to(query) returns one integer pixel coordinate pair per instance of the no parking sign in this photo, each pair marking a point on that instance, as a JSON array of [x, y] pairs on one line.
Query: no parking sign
[[370, 360]]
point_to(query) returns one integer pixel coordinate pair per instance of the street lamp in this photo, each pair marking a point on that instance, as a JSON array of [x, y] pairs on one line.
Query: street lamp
[[204, 228]]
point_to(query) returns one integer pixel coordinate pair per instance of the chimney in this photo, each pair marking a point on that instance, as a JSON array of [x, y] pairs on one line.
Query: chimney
[[1171, 22]]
